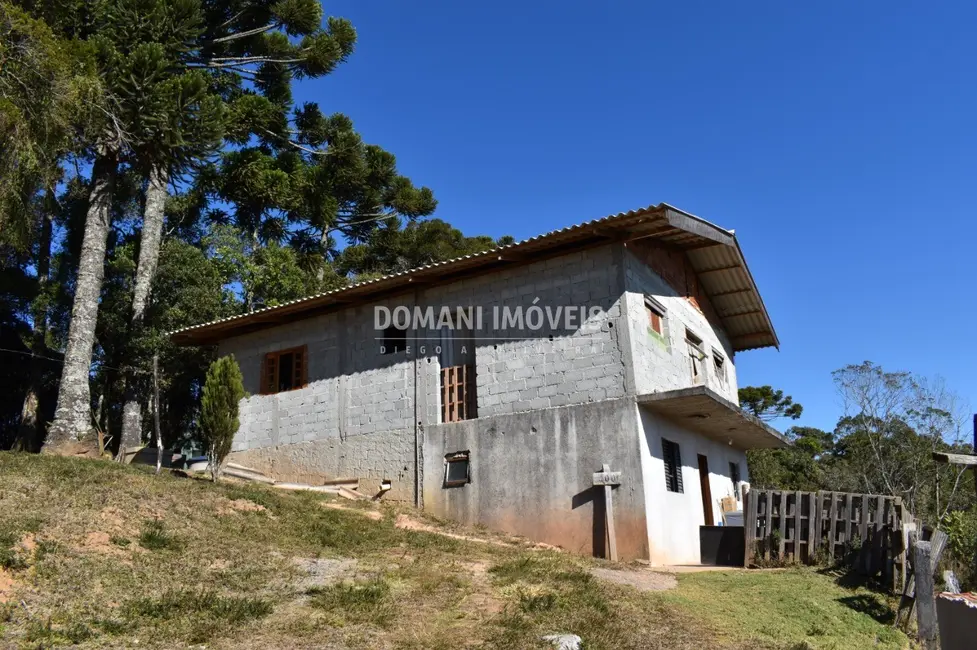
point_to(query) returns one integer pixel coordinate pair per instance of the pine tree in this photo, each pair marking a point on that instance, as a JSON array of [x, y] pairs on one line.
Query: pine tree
[[223, 390]]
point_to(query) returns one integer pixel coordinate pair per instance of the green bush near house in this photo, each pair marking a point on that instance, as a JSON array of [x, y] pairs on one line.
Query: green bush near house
[[223, 390]]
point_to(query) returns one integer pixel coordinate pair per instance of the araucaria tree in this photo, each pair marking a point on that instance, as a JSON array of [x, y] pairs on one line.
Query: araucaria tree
[[223, 390], [157, 172]]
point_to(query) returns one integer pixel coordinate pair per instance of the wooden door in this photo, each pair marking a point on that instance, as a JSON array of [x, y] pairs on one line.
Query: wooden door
[[706, 492]]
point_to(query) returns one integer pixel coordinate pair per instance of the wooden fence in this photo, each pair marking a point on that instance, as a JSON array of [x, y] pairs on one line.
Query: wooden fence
[[866, 531]]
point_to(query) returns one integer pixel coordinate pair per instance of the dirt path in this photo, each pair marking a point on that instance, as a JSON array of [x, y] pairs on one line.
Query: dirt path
[[642, 579]]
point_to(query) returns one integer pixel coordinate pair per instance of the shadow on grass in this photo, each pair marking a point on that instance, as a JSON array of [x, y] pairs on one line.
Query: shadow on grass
[[870, 605], [875, 604]]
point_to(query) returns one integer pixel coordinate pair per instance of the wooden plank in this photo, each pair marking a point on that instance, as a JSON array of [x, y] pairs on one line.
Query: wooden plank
[[878, 532], [865, 550], [925, 602], [767, 523], [797, 526], [955, 459], [814, 541], [886, 532], [897, 523], [783, 524], [833, 531], [848, 515], [749, 520], [609, 512]]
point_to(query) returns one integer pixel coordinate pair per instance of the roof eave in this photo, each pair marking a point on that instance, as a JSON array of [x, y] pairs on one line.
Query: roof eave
[[703, 410]]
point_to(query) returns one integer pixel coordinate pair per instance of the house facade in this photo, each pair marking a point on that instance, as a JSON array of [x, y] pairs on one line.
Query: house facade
[[489, 389]]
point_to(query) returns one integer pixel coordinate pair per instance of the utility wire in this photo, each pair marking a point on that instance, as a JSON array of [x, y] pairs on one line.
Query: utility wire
[[101, 365]]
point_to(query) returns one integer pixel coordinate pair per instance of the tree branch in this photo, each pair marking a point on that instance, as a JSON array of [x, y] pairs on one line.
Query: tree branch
[[245, 34]]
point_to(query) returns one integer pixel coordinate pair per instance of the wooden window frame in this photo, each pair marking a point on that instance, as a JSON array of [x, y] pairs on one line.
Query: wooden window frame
[[458, 397], [270, 366], [656, 316], [696, 356], [719, 366], [672, 456]]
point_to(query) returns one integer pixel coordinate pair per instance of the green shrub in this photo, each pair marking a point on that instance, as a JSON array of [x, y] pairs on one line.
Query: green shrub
[[961, 551], [223, 390]]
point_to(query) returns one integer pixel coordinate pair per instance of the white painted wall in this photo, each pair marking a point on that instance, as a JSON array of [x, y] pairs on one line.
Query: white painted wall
[[663, 365], [674, 518]]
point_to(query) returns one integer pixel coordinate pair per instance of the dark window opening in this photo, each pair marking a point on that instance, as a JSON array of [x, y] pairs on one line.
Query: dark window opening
[[673, 466], [457, 469], [696, 355], [734, 474], [720, 367], [284, 370], [286, 365], [394, 340]]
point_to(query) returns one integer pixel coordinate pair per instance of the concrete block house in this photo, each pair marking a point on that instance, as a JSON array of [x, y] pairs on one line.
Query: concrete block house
[[609, 342]]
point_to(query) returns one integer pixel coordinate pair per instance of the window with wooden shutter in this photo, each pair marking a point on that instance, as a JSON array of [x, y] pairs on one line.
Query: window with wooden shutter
[[673, 466], [656, 316], [285, 370]]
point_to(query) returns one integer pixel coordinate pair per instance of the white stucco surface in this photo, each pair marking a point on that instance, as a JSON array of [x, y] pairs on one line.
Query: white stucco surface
[[674, 518]]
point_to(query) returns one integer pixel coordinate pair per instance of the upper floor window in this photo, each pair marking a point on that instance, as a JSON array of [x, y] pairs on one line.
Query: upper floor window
[[656, 316], [696, 355], [719, 367], [284, 370], [394, 340], [673, 466]]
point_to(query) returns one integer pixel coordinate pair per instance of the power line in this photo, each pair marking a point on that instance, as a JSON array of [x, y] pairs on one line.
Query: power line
[[102, 365]]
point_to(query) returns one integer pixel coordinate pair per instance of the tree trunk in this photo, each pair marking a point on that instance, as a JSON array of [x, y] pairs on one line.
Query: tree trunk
[[73, 417], [152, 234], [30, 432]]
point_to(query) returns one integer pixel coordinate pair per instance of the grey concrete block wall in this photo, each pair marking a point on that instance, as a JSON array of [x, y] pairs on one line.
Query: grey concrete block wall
[[354, 418], [664, 365], [356, 394], [550, 366], [357, 414], [532, 475]]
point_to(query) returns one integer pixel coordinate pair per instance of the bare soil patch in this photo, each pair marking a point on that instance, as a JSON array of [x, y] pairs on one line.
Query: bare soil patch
[[642, 580], [369, 514], [232, 507], [7, 586]]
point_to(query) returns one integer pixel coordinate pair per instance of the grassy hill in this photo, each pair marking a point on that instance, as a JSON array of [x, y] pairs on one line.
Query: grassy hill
[[94, 554]]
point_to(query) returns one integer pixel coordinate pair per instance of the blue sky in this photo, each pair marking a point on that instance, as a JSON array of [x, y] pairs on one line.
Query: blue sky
[[837, 139]]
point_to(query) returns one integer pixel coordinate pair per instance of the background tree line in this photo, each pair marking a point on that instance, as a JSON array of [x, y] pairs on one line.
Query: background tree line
[[156, 172], [883, 443]]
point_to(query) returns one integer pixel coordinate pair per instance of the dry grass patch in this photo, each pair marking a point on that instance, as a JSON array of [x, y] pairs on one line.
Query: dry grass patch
[[104, 555]]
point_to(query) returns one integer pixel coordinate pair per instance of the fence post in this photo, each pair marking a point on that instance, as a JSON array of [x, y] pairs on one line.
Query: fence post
[[749, 521], [925, 603]]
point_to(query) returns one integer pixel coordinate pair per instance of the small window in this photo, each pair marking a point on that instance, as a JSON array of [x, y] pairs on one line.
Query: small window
[[457, 469], [673, 466], [719, 366], [734, 474], [394, 340], [284, 370], [696, 355], [656, 316]]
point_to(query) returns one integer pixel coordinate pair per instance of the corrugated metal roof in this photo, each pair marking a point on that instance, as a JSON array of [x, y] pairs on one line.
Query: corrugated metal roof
[[713, 252]]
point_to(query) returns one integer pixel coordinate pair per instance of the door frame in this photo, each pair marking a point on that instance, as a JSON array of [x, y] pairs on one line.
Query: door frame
[[705, 490]]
